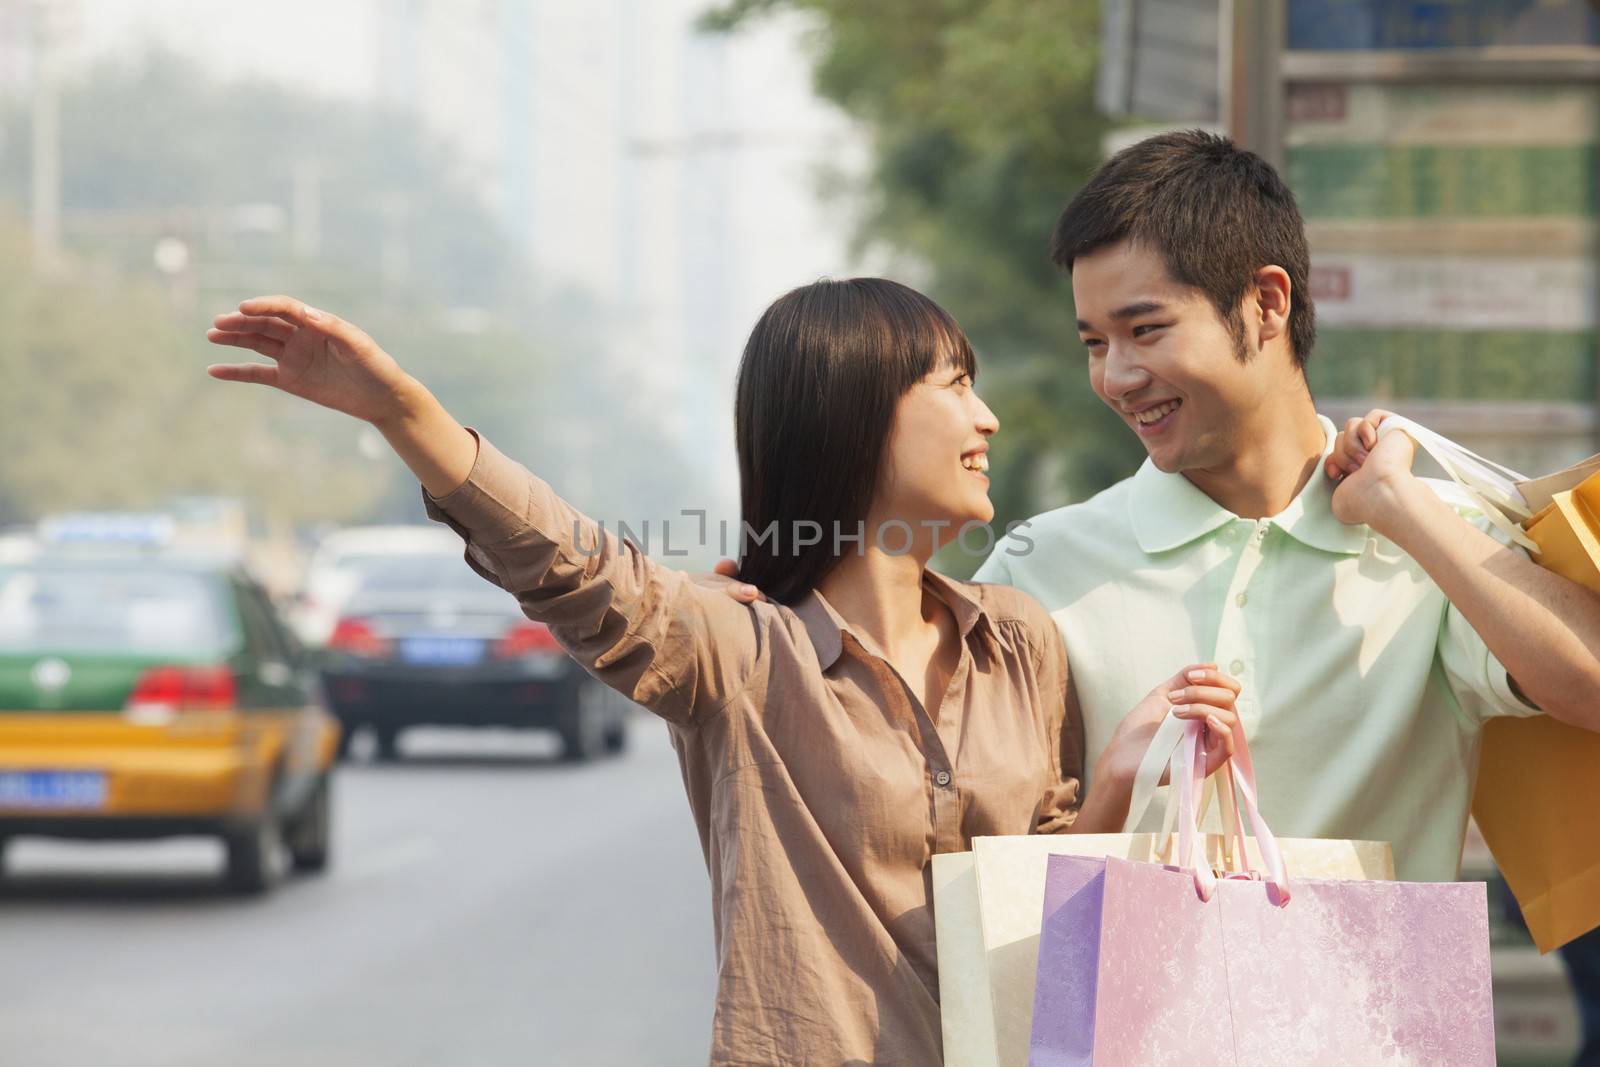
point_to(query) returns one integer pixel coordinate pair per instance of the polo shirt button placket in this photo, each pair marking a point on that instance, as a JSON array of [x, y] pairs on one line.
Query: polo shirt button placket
[[1232, 636]]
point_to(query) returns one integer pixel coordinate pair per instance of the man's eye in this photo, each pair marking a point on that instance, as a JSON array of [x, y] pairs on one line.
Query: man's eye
[[1140, 331]]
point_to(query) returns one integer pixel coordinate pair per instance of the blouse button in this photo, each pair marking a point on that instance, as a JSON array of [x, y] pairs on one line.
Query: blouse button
[[943, 778]]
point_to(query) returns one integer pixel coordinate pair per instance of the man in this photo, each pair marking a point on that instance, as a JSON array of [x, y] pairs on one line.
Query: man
[[1373, 623]]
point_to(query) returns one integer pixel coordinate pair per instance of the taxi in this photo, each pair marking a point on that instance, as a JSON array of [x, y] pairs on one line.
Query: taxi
[[149, 692]]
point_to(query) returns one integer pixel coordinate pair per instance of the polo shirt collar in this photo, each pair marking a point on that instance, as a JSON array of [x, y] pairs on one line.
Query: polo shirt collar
[[826, 627], [1168, 511]]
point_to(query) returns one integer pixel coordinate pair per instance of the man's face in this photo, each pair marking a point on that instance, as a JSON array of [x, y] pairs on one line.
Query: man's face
[[1162, 358]]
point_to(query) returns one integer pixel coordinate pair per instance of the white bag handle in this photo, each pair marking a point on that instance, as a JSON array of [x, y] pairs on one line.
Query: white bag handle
[[1146, 780], [1157, 758], [1492, 487]]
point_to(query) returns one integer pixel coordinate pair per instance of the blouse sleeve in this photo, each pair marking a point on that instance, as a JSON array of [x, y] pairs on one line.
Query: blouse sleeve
[[678, 647]]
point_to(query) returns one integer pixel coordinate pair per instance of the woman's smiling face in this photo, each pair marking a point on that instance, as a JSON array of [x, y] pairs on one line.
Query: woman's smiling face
[[934, 469]]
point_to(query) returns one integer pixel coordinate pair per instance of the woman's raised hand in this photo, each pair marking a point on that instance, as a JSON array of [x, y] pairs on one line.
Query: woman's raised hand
[[323, 359], [316, 356], [1201, 692]]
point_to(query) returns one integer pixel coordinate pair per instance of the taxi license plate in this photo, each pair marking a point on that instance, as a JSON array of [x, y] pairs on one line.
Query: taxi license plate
[[53, 790], [441, 651]]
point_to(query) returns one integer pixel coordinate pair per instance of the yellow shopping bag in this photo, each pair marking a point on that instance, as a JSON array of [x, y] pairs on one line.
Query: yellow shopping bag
[[1539, 780]]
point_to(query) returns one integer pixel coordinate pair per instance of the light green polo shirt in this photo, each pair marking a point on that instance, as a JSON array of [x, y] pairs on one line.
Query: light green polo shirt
[[1365, 690]]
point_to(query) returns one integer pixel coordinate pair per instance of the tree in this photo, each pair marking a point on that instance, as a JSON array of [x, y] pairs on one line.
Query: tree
[[982, 124]]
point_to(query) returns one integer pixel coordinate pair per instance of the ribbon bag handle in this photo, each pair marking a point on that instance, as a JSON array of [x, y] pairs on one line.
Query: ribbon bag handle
[[1233, 832], [1235, 856], [1187, 768], [1490, 486], [1157, 758]]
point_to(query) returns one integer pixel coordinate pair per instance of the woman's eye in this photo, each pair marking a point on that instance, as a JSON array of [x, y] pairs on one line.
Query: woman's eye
[[965, 381], [1092, 343]]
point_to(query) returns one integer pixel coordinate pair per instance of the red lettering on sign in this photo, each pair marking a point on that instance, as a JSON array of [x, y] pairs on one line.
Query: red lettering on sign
[[1330, 283]]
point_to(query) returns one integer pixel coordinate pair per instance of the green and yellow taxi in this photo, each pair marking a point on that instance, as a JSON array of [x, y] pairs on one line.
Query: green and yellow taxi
[[146, 692]]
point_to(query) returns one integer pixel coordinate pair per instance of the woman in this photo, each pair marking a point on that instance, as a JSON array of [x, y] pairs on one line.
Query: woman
[[832, 740]]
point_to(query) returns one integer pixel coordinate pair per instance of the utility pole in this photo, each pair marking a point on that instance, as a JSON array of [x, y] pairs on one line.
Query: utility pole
[[1251, 89], [46, 141]]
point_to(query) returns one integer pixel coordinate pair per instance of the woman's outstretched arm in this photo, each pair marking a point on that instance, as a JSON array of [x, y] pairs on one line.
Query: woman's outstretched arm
[[644, 629]]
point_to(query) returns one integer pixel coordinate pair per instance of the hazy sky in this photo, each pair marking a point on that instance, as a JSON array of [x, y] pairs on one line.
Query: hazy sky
[[688, 243], [306, 43]]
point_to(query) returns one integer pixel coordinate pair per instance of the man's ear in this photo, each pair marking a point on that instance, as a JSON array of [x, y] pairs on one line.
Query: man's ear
[[1269, 303]]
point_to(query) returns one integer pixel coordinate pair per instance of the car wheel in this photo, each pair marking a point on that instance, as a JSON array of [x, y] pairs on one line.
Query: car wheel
[[616, 737], [311, 836], [347, 734], [388, 743], [583, 727], [255, 853]]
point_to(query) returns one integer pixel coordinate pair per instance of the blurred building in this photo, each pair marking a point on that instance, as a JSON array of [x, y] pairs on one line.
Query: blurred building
[[661, 180], [664, 174], [1444, 156], [16, 49]]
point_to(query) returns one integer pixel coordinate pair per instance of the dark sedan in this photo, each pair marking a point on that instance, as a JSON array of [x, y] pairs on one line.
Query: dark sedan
[[426, 642]]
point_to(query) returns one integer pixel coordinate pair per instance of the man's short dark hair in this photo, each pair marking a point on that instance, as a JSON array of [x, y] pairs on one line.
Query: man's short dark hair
[[1215, 213]]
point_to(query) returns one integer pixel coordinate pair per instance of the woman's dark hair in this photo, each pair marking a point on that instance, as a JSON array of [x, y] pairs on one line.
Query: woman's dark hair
[[1214, 212], [818, 385]]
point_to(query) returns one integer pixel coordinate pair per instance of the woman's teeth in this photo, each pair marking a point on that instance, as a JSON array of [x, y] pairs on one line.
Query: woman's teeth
[[978, 462], [1156, 414]]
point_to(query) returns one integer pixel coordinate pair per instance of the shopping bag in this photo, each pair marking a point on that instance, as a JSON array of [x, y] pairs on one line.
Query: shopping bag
[[1565, 521], [1143, 963], [1538, 779], [987, 907], [967, 1000], [965, 1015]]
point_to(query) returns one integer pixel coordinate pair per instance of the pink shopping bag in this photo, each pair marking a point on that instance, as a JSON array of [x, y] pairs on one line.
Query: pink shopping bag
[[1147, 964]]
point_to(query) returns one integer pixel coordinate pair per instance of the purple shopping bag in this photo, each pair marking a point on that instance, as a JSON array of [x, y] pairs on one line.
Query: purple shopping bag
[[1145, 964]]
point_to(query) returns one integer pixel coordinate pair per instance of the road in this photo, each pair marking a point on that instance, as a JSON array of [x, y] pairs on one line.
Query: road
[[487, 906]]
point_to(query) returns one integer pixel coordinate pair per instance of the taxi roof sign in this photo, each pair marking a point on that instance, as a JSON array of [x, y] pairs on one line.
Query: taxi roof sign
[[128, 529]]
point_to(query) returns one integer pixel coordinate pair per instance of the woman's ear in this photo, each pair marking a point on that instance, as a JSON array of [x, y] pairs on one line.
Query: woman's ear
[[1271, 304]]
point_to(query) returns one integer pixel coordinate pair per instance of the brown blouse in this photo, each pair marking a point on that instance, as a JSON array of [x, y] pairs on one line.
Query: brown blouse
[[820, 786]]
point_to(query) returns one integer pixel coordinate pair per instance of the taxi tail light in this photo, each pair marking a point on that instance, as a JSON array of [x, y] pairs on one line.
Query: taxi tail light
[[184, 688], [526, 639], [358, 638]]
